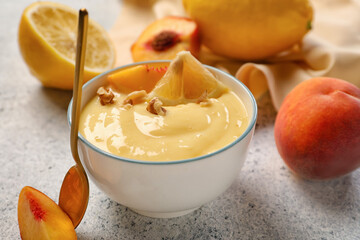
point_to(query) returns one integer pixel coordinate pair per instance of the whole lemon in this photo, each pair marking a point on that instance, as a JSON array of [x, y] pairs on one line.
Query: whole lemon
[[250, 29]]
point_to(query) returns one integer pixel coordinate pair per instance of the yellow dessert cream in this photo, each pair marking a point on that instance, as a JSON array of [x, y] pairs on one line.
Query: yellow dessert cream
[[185, 131]]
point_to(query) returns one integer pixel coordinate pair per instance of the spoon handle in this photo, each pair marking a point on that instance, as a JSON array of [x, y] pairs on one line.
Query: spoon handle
[[78, 82]]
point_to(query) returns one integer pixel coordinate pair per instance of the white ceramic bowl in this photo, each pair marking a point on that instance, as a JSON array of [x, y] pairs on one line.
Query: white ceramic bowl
[[167, 189]]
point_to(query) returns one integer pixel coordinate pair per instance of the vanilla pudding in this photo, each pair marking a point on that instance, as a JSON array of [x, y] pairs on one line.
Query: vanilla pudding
[[186, 113], [186, 131], [153, 186]]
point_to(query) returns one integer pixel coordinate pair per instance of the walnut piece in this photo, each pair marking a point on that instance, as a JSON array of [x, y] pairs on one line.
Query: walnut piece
[[127, 106], [135, 97], [106, 96], [155, 107]]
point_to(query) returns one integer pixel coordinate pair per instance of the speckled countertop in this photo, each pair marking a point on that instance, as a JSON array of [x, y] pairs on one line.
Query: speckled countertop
[[265, 202]]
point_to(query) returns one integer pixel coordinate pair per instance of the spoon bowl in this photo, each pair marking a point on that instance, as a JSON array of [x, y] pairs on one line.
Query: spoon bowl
[[74, 194]]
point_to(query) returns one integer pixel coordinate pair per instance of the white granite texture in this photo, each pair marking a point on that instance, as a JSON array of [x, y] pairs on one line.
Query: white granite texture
[[265, 202]]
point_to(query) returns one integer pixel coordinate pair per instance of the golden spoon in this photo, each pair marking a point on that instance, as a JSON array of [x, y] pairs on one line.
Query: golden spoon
[[74, 192]]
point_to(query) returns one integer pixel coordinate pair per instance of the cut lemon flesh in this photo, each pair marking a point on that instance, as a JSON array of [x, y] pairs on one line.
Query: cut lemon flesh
[[185, 81], [47, 41]]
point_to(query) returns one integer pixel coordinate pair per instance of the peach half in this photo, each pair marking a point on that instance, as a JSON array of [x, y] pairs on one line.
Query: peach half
[[165, 37], [41, 218]]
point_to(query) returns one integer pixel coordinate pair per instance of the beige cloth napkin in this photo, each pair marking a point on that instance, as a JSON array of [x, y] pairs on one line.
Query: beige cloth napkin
[[331, 49]]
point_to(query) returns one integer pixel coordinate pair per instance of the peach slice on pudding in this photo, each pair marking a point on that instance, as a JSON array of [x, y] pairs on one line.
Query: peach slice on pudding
[[141, 77], [165, 37]]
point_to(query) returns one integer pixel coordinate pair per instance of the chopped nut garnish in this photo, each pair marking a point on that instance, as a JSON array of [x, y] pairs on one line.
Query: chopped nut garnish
[[155, 107], [128, 102], [135, 97], [106, 96], [127, 106]]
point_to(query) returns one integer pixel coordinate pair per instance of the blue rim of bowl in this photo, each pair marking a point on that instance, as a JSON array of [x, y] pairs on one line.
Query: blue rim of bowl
[[129, 160]]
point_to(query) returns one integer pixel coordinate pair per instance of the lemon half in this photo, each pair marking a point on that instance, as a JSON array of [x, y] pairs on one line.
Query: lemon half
[[47, 41]]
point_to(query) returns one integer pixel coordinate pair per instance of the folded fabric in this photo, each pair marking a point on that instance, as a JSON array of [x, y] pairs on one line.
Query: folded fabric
[[331, 48]]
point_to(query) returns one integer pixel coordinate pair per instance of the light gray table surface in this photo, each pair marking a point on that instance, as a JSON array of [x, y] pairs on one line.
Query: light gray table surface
[[265, 202]]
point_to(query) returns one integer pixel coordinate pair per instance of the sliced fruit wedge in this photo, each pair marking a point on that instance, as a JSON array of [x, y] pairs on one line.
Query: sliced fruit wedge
[[47, 41], [185, 81], [141, 77], [165, 37], [41, 218]]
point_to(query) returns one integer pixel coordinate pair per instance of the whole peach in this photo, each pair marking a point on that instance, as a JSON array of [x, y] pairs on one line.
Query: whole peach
[[317, 129]]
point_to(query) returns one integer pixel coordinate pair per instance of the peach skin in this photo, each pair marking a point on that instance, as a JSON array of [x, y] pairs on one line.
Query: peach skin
[[317, 129]]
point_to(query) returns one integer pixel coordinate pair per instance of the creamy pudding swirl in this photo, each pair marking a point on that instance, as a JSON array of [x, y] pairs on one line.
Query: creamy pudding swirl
[[131, 126]]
